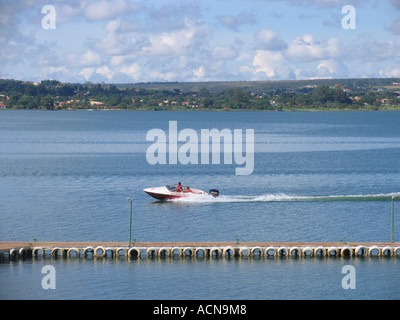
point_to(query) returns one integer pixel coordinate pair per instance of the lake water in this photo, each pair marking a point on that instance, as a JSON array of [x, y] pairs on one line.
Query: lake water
[[318, 176]]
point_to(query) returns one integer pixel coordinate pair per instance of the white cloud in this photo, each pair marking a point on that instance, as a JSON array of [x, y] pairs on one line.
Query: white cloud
[[105, 10], [67, 11], [331, 3], [152, 40], [178, 42], [320, 59], [59, 73], [58, 69], [267, 62], [332, 68], [86, 73], [90, 58], [134, 71], [118, 60], [116, 42], [199, 73], [224, 53], [234, 22], [389, 73], [396, 3], [270, 40], [105, 71], [305, 49], [87, 59], [161, 76], [13, 43], [395, 27], [325, 3], [370, 49]]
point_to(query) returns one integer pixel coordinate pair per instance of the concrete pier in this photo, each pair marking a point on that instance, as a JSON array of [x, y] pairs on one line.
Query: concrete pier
[[16, 250]]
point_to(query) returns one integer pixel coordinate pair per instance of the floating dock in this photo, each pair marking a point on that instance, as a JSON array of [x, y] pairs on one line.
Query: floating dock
[[16, 250]]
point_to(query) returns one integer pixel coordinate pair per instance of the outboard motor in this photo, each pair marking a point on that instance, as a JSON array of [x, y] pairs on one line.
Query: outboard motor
[[214, 192]]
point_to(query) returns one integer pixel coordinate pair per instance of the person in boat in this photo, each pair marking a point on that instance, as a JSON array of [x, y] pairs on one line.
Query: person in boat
[[178, 187], [188, 190]]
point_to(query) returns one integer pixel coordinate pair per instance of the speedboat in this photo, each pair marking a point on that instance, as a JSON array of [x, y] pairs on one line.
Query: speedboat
[[168, 192]]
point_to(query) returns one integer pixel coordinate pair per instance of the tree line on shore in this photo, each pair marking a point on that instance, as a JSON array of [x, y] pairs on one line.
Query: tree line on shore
[[55, 95]]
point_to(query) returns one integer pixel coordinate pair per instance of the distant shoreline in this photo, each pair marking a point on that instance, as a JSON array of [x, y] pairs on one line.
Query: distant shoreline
[[301, 95], [397, 108]]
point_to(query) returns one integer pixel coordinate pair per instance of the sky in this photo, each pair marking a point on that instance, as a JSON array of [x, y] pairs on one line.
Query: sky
[[125, 41]]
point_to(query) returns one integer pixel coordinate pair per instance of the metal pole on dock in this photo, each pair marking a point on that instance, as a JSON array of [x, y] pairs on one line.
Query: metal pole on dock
[[393, 219], [130, 222]]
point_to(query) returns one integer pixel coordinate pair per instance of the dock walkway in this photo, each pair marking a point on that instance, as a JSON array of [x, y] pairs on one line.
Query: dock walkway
[[15, 250]]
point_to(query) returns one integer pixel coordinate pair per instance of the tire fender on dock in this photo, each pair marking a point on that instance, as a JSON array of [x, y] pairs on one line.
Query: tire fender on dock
[[283, 252], [361, 251], [188, 251], [124, 250], [22, 252], [372, 249], [226, 250], [295, 251], [73, 250], [179, 250], [130, 251], [334, 250], [100, 255], [164, 252], [197, 250], [151, 250], [218, 251], [346, 251], [87, 250], [389, 250], [308, 249], [55, 250], [36, 250], [253, 251], [267, 252], [242, 249], [320, 251]]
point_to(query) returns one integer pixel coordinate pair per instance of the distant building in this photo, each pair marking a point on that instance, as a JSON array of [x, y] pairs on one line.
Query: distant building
[[96, 103]]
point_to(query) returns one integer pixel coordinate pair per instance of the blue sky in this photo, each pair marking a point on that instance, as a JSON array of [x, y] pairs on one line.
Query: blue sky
[[209, 40]]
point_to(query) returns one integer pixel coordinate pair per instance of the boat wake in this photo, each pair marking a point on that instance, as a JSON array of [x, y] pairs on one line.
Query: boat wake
[[282, 197]]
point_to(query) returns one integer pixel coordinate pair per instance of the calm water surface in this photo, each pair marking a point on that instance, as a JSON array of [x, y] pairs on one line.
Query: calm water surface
[[318, 176]]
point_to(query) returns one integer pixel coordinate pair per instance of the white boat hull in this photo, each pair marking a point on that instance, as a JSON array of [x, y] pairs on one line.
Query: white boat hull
[[166, 192]]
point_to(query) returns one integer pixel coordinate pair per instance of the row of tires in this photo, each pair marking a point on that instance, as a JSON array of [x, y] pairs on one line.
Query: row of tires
[[101, 251]]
